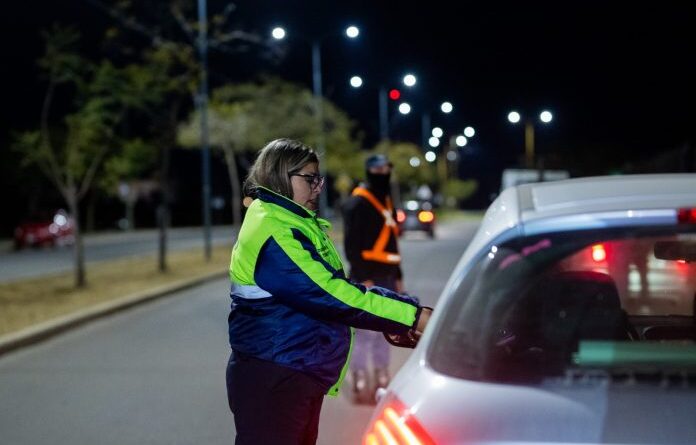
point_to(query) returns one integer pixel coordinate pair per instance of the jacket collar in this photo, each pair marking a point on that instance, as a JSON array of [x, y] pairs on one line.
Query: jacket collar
[[270, 196]]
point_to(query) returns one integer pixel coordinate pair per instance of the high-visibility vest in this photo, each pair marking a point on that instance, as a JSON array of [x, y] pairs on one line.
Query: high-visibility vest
[[377, 253]]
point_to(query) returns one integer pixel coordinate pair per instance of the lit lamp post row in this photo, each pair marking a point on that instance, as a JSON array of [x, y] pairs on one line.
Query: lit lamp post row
[[514, 117], [409, 80]]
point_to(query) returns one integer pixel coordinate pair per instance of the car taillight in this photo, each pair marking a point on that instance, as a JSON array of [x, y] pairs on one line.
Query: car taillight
[[599, 253], [396, 426], [426, 216], [686, 216], [400, 216]]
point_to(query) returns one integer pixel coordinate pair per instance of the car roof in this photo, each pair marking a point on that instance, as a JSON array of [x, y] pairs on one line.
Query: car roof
[[520, 207], [605, 193]]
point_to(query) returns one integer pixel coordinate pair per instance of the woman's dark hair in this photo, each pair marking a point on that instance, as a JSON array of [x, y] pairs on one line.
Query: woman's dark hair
[[274, 165]]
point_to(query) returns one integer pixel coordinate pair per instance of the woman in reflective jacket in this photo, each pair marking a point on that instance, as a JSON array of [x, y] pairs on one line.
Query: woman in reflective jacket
[[293, 309]]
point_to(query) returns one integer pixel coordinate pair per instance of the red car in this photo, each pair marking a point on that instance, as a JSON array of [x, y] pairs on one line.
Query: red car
[[56, 230]]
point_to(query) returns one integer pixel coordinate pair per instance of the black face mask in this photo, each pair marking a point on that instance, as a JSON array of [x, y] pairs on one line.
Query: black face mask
[[379, 183]]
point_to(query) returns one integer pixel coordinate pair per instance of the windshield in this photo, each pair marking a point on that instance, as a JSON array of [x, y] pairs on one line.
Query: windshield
[[545, 306]]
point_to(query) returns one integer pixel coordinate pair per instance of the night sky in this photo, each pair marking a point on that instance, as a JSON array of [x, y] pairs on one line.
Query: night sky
[[619, 79]]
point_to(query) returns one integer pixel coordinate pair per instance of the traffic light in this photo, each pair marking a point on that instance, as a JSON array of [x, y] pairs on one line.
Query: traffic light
[[394, 94]]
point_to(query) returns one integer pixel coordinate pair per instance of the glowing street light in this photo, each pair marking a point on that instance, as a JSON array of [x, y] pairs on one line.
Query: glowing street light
[[278, 33], [437, 132], [352, 32], [469, 132], [514, 117], [404, 108], [461, 141], [356, 81], [409, 80], [434, 142], [430, 156], [545, 117], [446, 107]]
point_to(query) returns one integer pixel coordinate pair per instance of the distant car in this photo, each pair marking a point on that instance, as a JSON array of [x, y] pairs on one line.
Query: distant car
[[55, 230], [416, 216], [570, 318]]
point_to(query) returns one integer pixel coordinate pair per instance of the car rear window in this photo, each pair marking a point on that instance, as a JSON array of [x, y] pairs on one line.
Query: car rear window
[[547, 306]]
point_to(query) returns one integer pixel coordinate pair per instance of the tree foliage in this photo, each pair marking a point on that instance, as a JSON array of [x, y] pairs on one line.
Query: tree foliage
[[457, 190], [70, 147], [242, 118], [400, 154]]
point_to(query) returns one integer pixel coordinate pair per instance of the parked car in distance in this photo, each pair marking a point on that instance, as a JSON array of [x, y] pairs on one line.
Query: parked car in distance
[[416, 216], [570, 318], [56, 229]]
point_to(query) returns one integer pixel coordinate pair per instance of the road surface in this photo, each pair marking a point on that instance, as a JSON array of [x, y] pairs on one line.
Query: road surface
[[155, 374]]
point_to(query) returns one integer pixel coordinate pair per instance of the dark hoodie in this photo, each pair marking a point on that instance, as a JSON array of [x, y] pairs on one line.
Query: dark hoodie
[[362, 225]]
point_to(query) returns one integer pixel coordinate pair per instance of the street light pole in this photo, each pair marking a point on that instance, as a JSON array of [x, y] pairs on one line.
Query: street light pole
[[319, 114], [529, 143], [352, 32], [514, 117], [425, 130], [203, 110], [383, 114]]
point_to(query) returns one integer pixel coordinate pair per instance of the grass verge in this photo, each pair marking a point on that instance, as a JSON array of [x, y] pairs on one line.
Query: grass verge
[[459, 215], [24, 303]]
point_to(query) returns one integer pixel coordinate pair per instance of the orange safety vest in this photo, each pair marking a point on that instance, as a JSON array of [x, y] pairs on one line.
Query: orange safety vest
[[377, 253]]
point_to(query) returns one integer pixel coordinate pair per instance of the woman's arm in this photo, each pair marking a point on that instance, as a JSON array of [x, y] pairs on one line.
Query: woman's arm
[[290, 268]]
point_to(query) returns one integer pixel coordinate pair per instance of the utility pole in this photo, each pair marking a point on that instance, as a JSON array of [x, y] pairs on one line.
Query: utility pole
[[202, 103]]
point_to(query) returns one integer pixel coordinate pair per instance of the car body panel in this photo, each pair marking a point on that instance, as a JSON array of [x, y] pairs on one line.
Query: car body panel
[[594, 411], [455, 410]]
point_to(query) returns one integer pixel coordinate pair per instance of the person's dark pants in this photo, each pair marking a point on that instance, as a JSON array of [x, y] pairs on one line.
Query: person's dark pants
[[272, 404]]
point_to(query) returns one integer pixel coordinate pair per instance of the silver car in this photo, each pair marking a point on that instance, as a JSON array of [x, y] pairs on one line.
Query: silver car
[[570, 318]]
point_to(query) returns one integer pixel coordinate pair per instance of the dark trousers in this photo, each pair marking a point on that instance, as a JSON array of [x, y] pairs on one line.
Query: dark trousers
[[272, 404]]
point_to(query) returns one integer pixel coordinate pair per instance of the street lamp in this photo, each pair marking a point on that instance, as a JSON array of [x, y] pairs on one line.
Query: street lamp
[[514, 117], [202, 103], [408, 80], [445, 107], [351, 32]]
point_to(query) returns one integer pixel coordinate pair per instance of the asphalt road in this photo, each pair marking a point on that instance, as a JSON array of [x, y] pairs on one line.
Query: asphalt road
[[155, 374], [99, 247]]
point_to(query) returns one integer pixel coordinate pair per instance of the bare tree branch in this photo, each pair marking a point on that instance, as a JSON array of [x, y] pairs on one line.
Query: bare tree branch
[[52, 168], [181, 20]]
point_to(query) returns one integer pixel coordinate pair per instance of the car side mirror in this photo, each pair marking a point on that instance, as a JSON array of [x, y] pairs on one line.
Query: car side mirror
[[675, 251]]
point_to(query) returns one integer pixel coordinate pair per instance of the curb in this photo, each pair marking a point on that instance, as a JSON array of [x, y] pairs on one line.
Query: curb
[[50, 328]]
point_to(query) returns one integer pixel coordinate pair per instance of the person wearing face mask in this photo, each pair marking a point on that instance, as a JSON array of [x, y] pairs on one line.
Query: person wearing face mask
[[293, 309], [371, 247]]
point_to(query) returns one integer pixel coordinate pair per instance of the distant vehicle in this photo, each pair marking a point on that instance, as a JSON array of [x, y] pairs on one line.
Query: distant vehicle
[[569, 319], [55, 230], [518, 176], [416, 216]]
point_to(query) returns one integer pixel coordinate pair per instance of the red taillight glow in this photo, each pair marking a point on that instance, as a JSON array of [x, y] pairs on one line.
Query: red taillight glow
[[686, 216], [396, 426], [426, 216], [599, 254], [400, 216]]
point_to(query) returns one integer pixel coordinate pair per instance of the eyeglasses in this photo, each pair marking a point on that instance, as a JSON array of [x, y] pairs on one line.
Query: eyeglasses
[[315, 181]]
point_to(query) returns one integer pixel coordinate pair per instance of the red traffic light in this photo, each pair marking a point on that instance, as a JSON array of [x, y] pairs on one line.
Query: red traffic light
[[394, 94]]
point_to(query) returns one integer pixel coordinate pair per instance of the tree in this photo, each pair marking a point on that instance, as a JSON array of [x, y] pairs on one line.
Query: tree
[[244, 117], [69, 150], [172, 34], [401, 154], [123, 171], [457, 190]]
